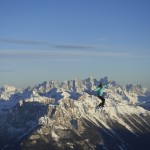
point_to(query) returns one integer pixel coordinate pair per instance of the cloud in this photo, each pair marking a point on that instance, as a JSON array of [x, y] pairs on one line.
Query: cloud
[[73, 46], [22, 42], [30, 42], [56, 46], [64, 54]]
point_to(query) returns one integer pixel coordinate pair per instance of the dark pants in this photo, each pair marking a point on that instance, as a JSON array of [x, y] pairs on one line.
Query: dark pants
[[102, 99]]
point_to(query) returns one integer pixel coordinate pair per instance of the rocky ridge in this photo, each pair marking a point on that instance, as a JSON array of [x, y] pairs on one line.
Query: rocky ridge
[[63, 116]]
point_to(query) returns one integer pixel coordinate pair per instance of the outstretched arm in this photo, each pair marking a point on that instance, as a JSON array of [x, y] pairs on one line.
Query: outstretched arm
[[106, 85], [96, 89]]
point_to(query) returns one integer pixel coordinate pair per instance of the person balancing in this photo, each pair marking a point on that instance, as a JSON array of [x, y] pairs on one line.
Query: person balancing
[[100, 92]]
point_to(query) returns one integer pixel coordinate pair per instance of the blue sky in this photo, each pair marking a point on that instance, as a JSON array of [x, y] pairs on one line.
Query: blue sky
[[63, 40]]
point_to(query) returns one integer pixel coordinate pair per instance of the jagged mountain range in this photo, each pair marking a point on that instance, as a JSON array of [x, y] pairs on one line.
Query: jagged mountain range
[[61, 116]]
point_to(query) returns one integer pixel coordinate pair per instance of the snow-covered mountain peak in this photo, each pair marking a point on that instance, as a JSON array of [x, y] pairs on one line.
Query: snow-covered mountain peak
[[64, 116], [8, 88], [104, 80], [137, 89]]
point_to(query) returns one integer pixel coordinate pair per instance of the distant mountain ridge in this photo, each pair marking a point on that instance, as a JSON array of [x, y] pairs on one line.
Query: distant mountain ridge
[[61, 116]]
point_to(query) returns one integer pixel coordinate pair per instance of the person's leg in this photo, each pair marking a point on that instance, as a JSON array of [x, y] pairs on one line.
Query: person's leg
[[103, 101]]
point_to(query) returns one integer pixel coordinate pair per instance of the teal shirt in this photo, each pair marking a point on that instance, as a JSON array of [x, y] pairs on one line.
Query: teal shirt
[[100, 90]]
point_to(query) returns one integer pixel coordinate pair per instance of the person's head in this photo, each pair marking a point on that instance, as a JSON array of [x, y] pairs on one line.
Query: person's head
[[101, 85]]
